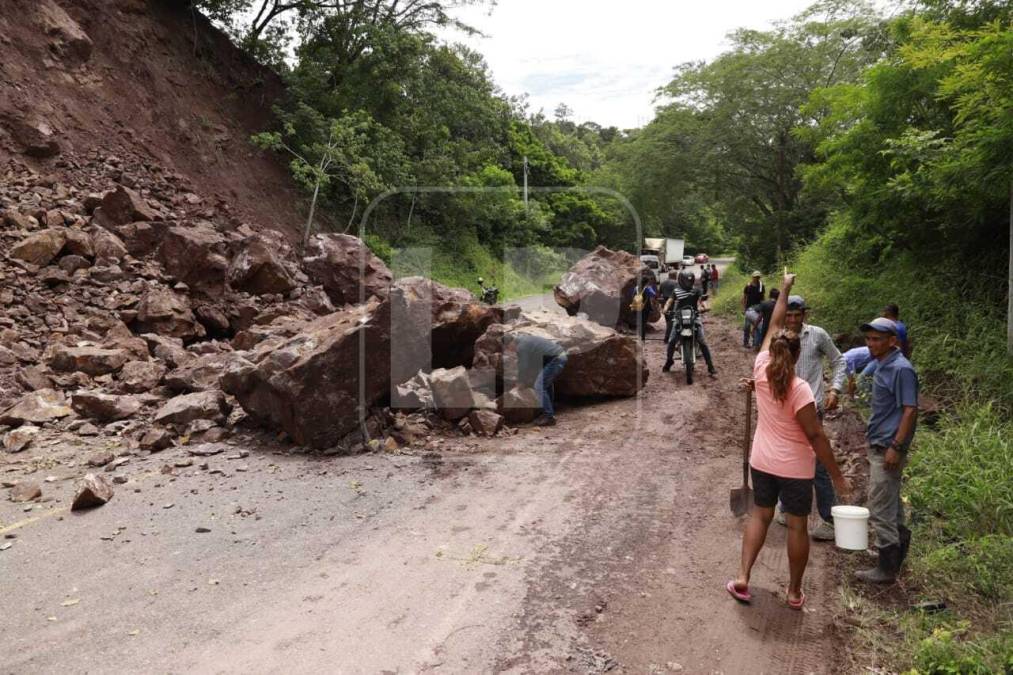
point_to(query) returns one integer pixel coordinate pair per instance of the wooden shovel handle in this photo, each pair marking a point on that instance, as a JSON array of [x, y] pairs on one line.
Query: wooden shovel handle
[[748, 437]]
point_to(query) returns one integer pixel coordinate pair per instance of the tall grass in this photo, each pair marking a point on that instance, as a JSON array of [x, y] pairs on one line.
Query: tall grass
[[459, 264]]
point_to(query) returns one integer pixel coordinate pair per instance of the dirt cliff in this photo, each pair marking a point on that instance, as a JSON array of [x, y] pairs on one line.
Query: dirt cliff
[[149, 83]]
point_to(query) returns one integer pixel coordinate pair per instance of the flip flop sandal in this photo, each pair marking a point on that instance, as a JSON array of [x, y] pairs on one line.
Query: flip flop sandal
[[741, 596], [795, 604]]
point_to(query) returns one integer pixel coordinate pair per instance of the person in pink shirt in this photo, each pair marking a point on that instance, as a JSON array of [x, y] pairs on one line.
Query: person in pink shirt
[[788, 439]]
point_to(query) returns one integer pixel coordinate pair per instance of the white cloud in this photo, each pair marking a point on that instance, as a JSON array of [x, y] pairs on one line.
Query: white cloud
[[605, 60]]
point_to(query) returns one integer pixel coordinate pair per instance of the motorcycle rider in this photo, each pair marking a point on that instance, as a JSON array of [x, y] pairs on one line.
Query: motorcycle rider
[[685, 295]]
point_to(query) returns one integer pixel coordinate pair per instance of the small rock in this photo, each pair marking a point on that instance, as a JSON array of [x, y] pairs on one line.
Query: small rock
[[202, 530], [119, 480], [93, 491], [101, 458], [156, 439], [25, 492], [19, 439]]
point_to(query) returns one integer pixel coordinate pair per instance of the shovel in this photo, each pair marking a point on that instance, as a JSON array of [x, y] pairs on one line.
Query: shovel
[[741, 499]]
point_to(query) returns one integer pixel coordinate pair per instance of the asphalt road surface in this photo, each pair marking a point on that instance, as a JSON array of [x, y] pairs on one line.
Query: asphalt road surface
[[600, 544]]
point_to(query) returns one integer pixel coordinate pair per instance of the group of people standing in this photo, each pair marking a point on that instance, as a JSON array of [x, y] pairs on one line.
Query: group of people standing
[[791, 457]]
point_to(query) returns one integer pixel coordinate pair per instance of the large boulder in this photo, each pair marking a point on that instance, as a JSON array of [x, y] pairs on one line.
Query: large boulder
[[195, 255], [40, 248], [256, 269], [36, 407], [435, 327], [90, 360], [600, 361], [342, 264], [317, 384], [123, 205], [168, 314], [601, 285]]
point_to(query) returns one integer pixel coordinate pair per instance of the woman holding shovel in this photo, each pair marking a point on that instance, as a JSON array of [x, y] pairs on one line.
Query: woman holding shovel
[[789, 437]]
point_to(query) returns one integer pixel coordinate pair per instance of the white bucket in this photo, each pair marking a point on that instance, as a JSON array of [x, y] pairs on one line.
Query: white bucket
[[851, 527]]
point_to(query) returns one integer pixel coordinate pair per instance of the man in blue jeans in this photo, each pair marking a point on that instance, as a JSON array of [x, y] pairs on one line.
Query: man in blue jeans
[[818, 349], [542, 360]]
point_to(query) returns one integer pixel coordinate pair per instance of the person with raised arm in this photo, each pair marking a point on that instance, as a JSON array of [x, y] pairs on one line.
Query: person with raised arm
[[789, 438]]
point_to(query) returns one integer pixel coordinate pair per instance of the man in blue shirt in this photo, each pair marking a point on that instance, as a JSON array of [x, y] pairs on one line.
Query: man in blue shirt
[[892, 421], [892, 312]]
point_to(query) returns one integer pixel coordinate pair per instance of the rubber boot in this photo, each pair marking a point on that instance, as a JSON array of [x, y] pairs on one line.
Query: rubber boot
[[905, 544], [886, 571]]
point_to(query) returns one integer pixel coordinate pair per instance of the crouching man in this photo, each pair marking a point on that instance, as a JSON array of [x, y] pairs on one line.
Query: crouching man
[[892, 421], [541, 360]]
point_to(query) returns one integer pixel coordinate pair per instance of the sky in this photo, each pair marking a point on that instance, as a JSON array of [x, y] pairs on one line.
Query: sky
[[605, 59]]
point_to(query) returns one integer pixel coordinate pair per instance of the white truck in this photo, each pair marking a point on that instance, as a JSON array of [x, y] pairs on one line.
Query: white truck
[[661, 254]]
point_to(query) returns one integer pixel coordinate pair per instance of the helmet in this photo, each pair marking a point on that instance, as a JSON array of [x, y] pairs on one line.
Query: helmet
[[686, 280]]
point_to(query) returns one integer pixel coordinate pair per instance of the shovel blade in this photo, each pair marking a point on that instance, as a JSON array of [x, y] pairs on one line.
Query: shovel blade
[[740, 500]]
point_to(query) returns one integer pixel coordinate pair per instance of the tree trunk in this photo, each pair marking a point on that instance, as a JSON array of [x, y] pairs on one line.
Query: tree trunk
[[411, 210], [351, 219], [1009, 306], [309, 221]]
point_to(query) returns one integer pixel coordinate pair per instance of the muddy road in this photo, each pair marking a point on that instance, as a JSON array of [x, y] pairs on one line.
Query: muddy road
[[600, 544]]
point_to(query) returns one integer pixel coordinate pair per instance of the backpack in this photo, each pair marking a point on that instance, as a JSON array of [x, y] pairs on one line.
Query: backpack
[[638, 301]]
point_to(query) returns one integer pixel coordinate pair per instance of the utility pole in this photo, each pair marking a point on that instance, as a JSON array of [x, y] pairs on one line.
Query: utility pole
[[526, 187], [1009, 306]]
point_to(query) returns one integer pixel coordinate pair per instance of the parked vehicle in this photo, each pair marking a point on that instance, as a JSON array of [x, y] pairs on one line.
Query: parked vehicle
[[687, 260], [666, 251], [490, 294], [701, 258]]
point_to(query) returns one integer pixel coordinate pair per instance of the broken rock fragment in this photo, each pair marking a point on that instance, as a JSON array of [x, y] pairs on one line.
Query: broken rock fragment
[[485, 422], [201, 405], [40, 248], [19, 439], [25, 491], [90, 360], [334, 260], [123, 206], [93, 490], [104, 407], [36, 407]]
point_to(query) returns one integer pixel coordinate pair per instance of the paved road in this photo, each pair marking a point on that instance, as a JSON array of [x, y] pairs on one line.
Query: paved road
[[606, 539]]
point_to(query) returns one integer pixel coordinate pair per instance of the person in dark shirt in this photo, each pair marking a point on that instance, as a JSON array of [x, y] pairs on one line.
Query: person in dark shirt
[[752, 295], [687, 296], [539, 362], [766, 310], [646, 288], [892, 312], [668, 287]]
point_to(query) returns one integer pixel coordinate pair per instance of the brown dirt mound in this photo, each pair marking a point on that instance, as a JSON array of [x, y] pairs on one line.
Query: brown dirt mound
[[146, 82]]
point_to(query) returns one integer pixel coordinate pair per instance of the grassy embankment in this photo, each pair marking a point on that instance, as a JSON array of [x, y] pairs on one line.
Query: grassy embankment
[[959, 489], [459, 264]]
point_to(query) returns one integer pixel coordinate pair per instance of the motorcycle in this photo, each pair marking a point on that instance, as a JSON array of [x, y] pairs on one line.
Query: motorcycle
[[489, 295], [686, 318]]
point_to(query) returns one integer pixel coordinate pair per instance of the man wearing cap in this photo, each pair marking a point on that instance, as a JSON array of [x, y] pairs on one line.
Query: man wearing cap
[[892, 421], [817, 349], [752, 295]]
